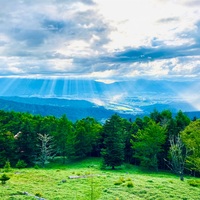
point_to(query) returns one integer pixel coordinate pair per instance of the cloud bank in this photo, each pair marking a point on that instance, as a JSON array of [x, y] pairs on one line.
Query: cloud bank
[[100, 39]]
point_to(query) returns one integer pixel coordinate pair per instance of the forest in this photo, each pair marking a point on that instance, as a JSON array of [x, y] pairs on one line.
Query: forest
[[160, 141]]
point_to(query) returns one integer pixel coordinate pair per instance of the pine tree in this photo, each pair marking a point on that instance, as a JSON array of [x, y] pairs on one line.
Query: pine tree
[[114, 144]]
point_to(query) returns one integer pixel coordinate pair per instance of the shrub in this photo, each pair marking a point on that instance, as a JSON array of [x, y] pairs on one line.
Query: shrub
[[7, 167], [130, 184], [38, 194], [120, 181], [102, 165], [21, 164], [129, 179], [117, 183], [194, 183], [36, 167], [4, 178], [87, 173], [78, 173]]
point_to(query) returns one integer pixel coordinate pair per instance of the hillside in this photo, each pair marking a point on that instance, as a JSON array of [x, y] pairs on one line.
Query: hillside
[[128, 182], [74, 109]]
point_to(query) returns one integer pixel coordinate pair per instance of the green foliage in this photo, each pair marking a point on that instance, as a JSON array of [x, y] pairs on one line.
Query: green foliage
[[120, 181], [86, 137], [38, 194], [26, 139], [181, 121], [65, 138], [21, 164], [4, 178], [130, 184], [191, 139], [36, 166], [194, 183], [7, 145], [98, 186], [7, 166], [114, 142], [148, 143]]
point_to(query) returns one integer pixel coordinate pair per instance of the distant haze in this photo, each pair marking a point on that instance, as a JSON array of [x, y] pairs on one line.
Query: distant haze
[[135, 97]]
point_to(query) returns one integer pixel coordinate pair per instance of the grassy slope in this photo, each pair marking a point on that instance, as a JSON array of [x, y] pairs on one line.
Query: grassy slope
[[100, 184]]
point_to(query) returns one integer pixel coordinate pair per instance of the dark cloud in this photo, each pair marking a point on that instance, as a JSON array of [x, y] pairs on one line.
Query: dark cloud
[[168, 20], [42, 36], [145, 54], [54, 26], [156, 42], [32, 38], [192, 34], [32, 32], [192, 3]]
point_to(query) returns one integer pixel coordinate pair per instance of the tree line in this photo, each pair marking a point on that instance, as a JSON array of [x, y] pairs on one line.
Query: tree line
[[157, 141]]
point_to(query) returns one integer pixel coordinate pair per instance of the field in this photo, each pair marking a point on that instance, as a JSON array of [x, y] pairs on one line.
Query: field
[[83, 180]]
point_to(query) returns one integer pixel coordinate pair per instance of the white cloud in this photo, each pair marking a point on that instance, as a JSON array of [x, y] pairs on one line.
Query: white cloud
[[85, 38], [137, 22]]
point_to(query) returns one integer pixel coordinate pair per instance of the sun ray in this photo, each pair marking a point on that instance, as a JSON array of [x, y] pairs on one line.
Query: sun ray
[[6, 85]]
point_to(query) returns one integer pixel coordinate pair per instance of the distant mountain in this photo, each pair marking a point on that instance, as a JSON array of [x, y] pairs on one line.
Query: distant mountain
[[74, 109], [135, 97]]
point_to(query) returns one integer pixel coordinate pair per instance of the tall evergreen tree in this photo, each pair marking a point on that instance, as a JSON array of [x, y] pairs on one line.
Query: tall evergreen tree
[[181, 121], [27, 139], [7, 147], [114, 142], [65, 138], [87, 132]]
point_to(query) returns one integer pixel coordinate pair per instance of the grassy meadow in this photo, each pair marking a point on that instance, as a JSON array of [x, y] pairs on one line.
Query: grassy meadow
[[89, 182]]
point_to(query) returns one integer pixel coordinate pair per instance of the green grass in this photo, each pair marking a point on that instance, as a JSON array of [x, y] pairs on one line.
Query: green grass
[[125, 183]]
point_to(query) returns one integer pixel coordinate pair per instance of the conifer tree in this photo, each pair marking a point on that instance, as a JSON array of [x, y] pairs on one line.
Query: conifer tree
[[114, 142]]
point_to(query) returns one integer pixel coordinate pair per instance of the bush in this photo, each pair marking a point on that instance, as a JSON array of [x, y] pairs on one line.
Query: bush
[[194, 183], [102, 165], [7, 166], [120, 181], [4, 178], [117, 183], [38, 194], [36, 167], [21, 164], [130, 184]]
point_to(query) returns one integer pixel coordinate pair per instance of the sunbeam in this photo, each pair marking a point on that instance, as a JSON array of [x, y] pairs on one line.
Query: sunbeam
[[7, 85], [191, 95]]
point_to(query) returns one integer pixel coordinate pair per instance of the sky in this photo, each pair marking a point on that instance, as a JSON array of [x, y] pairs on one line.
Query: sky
[[100, 39]]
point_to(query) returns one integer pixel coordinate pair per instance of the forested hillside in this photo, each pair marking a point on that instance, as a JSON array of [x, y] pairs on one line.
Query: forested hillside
[[158, 141], [74, 109]]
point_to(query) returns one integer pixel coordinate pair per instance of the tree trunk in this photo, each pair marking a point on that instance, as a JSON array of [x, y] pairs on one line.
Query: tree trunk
[[181, 177]]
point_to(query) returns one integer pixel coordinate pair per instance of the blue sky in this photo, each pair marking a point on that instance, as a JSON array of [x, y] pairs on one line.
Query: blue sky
[[100, 39]]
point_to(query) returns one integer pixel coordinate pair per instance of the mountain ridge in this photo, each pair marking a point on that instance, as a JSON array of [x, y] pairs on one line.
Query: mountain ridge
[[74, 109]]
